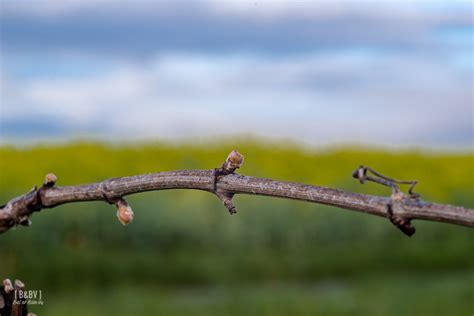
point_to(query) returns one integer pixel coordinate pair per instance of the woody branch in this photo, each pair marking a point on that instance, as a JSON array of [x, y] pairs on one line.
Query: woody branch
[[399, 208]]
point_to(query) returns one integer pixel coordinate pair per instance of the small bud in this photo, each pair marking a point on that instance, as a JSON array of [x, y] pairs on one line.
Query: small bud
[[124, 212], [25, 221], [31, 314], [7, 286], [19, 285], [50, 180], [234, 160]]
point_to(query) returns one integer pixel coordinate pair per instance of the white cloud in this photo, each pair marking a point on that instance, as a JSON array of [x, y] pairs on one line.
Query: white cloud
[[259, 8], [316, 99]]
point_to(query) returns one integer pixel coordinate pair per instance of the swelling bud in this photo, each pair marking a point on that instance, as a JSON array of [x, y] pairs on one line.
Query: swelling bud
[[124, 212]]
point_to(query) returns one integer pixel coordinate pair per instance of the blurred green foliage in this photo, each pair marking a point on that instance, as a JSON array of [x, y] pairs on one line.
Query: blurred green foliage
[[184, 254]]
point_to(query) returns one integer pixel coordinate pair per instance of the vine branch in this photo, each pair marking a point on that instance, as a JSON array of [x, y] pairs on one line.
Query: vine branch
[[399, 208]]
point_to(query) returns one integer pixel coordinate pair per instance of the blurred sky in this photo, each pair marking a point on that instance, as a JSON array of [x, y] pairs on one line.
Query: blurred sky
[[379, 72]]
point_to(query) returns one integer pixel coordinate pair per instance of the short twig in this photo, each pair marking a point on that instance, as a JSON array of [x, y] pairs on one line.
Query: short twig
[[402, 222], [361, 174]]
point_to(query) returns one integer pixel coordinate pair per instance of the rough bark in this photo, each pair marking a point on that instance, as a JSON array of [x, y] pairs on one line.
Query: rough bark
[[399, 208]]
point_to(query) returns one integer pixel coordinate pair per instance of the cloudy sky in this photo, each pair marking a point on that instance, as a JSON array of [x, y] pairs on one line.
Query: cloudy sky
[[395, 73]]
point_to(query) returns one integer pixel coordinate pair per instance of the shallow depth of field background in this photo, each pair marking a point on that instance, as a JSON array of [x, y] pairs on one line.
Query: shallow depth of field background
[[307, 91], [184, 254]]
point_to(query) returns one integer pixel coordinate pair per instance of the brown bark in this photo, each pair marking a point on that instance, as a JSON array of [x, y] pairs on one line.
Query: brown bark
[[224, 183]]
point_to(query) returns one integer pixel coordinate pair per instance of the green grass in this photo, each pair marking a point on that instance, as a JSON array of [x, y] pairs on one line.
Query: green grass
[[184, 254], [431, 294]]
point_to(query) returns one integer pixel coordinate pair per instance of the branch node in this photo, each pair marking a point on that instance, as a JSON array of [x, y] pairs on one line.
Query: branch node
[[124, 212], [109, 199], [396, 199], [400, 222], [49, 182], [233, 161]]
